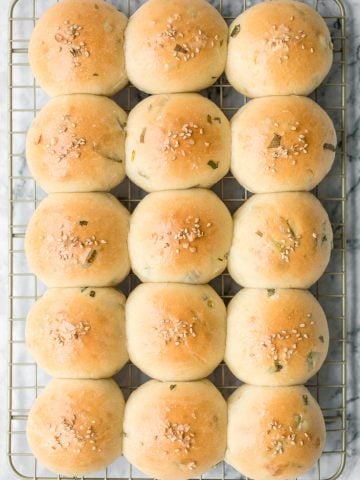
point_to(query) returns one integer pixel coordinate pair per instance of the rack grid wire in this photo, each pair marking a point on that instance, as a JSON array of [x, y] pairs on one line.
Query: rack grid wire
[[26, 380]]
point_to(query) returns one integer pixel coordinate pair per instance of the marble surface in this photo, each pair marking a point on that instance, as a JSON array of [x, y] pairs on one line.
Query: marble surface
[[352, 469]]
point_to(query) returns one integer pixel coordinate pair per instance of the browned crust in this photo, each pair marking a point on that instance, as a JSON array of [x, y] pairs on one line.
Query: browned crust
[[78, 239], [154, 442], [281, 431], [285, 49], [175, 46], [77, 144], [93, 61], [78, 332], [75, 426]]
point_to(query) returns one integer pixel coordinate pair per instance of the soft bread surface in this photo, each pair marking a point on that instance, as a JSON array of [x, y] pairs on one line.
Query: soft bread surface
[[180, 236], [79, 240], [175, 431], [77, 144], [75, 426], [177, 141], [274, 432], [175, 331], [78, 332], [281, 47], [78, 47], [175, 46], [275, 337], [281, 240], [281, 144]]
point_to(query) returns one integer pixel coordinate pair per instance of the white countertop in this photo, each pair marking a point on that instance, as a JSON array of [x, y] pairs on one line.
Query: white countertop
[[352, 470]]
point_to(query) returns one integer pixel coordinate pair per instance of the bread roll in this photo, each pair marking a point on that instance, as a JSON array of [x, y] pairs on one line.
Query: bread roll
[[76, 144], [180, 236], [78, 47], [79, 240], [275, 337], [274, 432], [78, 332], [175, 331], [177, 141], [281, 240], [175, 431], [75, 426], [175, 46], [281, 144], [280, 47]]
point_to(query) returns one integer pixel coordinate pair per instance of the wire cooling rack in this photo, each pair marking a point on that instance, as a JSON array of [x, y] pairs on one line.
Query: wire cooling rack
[[26, 380]]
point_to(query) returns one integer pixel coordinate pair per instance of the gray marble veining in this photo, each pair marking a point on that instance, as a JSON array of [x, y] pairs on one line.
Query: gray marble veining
[[23, 191]]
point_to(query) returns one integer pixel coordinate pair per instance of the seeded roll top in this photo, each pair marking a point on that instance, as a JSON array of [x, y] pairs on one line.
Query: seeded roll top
[[175, 431], [180, 236], [175, 331], [77, 144], [75, 426], [281, 47], [78, 332], [274, 432], [281, 240], [78, 239], [177, 141], [281, 144], [175, 46], [275, 336], [78, 47]]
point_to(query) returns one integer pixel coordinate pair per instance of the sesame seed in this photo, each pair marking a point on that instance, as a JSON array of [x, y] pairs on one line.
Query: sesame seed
[[191, 465], [177, 330], [175, 433]]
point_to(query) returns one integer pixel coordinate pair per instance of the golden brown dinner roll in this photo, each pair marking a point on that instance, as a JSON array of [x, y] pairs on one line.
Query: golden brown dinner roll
[[175, 46], [180, 236], [78, 332], [79, 239], [175, 431], [175, 331], [75, 426], [275, 336], [280, 47], [274, 432], [177, 141], [281, 240], [76, 144], [78, 47], [281, 144]]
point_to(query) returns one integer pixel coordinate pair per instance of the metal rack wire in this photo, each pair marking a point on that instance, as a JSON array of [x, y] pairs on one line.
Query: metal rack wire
[[26, 380]]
